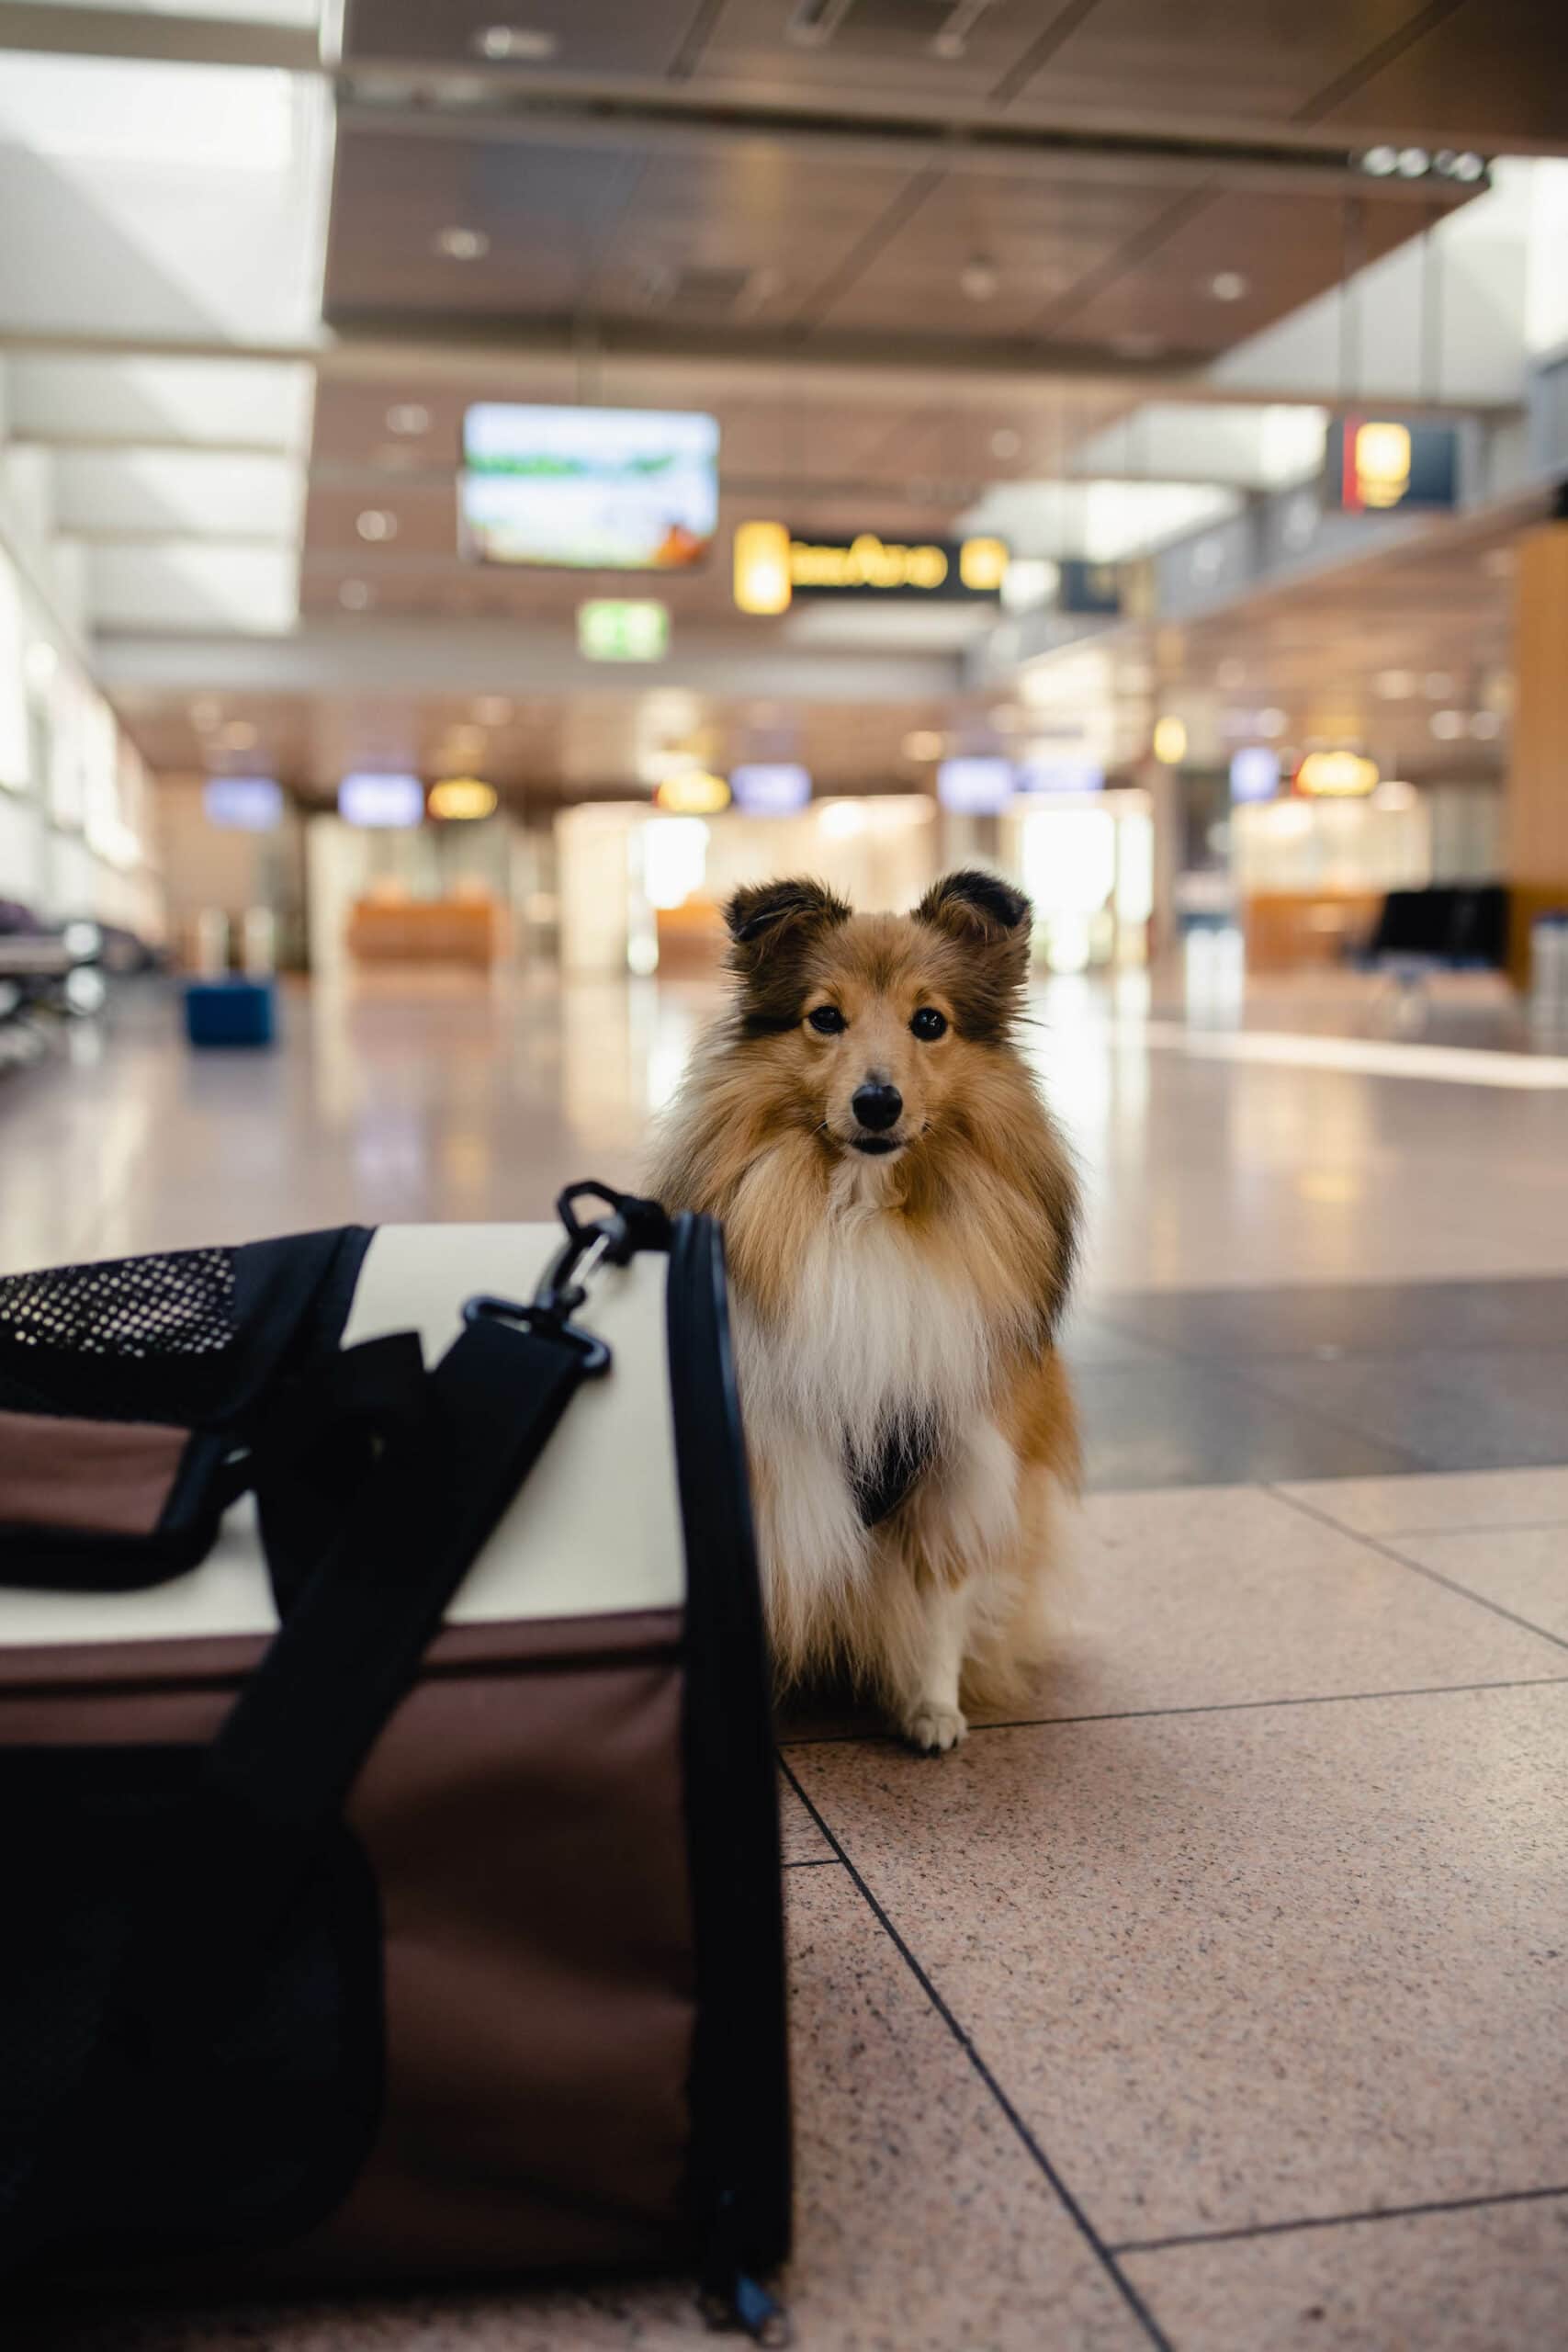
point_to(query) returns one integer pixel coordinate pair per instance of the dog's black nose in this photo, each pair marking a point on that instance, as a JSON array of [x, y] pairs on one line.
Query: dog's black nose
[[877, 1107]]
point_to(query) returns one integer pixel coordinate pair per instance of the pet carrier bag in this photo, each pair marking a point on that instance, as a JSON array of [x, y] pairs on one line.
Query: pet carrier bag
[[387, 1795]]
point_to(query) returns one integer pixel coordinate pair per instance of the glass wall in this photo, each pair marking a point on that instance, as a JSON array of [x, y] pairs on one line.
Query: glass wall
[[76, 818]]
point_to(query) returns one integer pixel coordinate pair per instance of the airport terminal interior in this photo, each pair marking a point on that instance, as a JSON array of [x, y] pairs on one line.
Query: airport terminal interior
[[475, 494]]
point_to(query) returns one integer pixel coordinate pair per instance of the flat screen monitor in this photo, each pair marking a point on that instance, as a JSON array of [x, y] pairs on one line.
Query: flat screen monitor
[[1060, 771], [597, 489], [770, 788], [1255, 773], [249, 803], [975, 786], [375, 800]]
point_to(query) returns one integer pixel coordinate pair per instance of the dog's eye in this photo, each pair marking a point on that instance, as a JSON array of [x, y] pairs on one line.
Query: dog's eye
[[827, 1020], [929, 1023]]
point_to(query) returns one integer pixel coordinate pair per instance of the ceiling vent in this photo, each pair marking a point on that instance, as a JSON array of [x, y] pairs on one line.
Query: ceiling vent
[[708, 293], [939, 28]]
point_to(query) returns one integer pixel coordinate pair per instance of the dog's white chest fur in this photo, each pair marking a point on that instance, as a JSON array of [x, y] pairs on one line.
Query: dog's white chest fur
[[877, 1334]]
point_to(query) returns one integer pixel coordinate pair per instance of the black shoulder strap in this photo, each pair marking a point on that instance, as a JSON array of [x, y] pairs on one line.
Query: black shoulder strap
[[455, 1446], [466, 1436]]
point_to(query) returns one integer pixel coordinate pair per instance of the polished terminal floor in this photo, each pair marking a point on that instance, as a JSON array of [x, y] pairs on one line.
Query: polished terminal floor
[[1219, 2004]]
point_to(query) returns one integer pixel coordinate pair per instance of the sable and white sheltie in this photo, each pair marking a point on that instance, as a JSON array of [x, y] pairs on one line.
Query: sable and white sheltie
[[900, 1215]]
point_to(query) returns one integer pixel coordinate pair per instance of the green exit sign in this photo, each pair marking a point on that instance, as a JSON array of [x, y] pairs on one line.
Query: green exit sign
[[623, 629]]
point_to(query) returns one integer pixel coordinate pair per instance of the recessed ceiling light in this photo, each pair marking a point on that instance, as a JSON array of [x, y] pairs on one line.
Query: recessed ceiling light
[[1170, 742], [376, 523], [1229, 286], [517, 44], [408, 416], [1414, 162], [979, 278], [353, 595], [1469, 167], [1446, 724], [463, 245], [1378, 162]]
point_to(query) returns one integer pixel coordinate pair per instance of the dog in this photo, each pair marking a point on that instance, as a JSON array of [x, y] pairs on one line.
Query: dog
[[900, 1220]]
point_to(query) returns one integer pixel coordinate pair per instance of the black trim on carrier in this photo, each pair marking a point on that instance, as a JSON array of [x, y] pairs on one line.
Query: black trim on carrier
[[196, 1337], [739, 2178]]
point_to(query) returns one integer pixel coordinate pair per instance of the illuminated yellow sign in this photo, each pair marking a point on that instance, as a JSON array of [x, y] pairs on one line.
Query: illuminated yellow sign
[[461, 798], [866, 562], [983, 565], [1335, 775], [1171, 742], [763, 581], [771, 566], [695, 793], [1383, 463]]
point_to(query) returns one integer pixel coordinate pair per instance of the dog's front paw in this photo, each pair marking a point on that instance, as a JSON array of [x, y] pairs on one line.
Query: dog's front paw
[[933, 1729]]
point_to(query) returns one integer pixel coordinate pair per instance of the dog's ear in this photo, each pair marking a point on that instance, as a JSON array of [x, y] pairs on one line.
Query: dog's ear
[[980, 909], [770, 924], [763, 914], [989, 921]]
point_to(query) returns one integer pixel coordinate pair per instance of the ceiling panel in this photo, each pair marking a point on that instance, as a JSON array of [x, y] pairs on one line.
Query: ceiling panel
[[1286, 249], [546, 211], [1262, 62], [1472, 72], [544, 747], [784, 223], [1041, 236], [1489, 75], [587, 35], [883, 46]]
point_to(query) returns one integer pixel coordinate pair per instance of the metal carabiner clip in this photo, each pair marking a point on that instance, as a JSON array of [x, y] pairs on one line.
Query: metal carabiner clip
[[545, 1322]]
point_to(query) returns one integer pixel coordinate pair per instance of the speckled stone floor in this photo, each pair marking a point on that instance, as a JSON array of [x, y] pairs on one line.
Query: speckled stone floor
[[1217, 2001]]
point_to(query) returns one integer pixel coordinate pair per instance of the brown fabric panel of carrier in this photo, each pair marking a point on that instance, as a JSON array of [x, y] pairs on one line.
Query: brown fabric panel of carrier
[[96, 1478], [540, 2008]]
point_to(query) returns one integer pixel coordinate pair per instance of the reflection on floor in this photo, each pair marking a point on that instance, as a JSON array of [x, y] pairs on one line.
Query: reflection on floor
[[1212, 2004]]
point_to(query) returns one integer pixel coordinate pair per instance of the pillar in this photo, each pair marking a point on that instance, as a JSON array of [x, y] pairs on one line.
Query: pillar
[[1537, 809]]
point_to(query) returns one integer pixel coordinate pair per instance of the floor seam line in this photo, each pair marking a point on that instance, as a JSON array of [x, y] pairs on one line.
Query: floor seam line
[[1338, 2221], [1211, 1707], [1490, 1527], [1417, 1567], [1069, 2203]]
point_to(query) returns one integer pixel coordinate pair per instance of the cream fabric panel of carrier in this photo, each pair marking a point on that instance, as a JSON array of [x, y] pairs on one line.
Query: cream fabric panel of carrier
[[596, 1529]]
